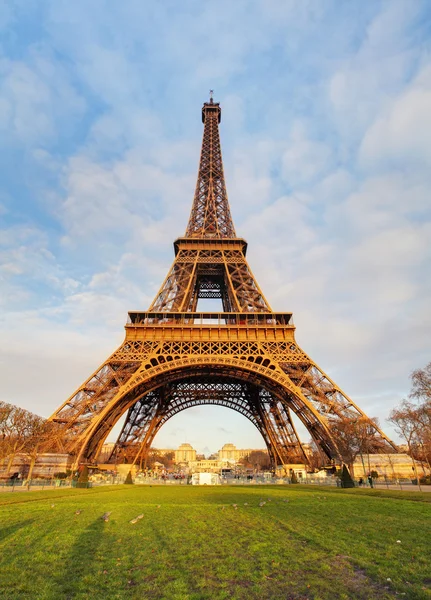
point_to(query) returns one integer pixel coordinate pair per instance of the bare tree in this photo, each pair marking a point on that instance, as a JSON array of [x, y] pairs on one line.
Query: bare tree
[[316, 458], [406, 425], [129, 453], [421, 391], [258, 459], [423, 417], [6, 411], [413, 420], [19, 430], [169, 459], [356, 437], [421, 384], [154, 456], [38, 442]]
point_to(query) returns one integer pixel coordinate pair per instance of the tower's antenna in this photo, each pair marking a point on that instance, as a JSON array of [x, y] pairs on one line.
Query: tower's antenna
[[211, 96]]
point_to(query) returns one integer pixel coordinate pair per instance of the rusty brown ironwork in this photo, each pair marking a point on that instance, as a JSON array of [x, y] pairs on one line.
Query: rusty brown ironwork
[[174, 357]]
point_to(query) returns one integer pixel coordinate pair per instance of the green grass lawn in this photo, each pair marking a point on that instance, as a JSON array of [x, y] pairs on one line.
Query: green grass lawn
[[193, 544]]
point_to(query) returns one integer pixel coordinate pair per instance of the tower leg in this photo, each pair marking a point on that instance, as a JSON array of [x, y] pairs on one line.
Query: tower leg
[[138, 421]]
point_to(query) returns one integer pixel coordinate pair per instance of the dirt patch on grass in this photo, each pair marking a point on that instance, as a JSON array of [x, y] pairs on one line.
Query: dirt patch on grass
[[358, 583]]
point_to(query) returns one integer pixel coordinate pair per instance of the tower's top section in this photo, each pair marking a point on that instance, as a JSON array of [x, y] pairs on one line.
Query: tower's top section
[[212, 108], [210, 216]]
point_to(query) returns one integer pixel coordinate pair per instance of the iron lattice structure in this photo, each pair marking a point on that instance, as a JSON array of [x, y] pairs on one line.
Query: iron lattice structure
[[174, 357]]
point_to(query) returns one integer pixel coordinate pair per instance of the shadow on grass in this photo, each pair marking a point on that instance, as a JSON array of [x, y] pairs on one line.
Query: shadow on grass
[[79, 562], [182, 581], [7, 531]]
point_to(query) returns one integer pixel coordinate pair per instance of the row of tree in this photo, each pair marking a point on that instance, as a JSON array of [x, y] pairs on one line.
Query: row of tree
[[154, 456], [21, 433], [258, 460]]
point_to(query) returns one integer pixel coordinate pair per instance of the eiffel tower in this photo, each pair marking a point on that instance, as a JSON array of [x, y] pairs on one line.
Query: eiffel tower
[[245, 358]]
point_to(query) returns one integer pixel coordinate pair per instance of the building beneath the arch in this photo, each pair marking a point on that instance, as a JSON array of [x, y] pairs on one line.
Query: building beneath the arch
[[229, 456], [185, 454], [229, 452]]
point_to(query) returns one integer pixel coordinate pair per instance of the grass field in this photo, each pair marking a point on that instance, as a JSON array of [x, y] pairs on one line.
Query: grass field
[[192, 543]]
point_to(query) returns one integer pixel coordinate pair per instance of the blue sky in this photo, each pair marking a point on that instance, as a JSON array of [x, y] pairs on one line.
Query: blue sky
[[326, 136]]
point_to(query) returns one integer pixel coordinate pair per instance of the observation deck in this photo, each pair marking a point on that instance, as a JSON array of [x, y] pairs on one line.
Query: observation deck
[[210, 326]]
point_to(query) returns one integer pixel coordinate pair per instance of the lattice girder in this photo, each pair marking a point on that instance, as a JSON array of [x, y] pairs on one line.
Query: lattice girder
[[78, 411], [221, 266], [257, 405], [210, 215]]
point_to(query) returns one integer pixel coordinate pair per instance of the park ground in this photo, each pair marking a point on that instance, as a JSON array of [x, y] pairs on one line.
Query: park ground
[[199, 543]]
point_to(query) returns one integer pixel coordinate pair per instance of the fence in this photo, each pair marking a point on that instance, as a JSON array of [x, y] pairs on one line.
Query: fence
[[44, 484], [35, 484]]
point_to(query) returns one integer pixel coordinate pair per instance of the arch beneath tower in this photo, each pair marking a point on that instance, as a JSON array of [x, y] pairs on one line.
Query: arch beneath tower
[[157, 375], [148, 415]]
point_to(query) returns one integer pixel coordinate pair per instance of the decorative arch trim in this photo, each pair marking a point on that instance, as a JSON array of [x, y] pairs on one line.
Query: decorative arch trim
[[149, 378]]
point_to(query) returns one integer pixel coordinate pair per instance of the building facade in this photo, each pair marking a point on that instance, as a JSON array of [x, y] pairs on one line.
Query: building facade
[[205, 466], [46, 466], [388, 466], [230, 453], [184, 454]]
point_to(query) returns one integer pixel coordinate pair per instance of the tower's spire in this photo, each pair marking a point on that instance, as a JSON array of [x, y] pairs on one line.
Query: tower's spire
[[210, 215]]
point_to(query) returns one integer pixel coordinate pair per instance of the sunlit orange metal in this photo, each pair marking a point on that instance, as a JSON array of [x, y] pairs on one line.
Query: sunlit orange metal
[[173, 357]]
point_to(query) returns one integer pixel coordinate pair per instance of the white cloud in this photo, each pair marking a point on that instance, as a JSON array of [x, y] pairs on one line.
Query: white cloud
[[42, 362], [367, 79], [402, 133], [129, 196], [35, 93], [303, 159], [6, 15], [25, 260]]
